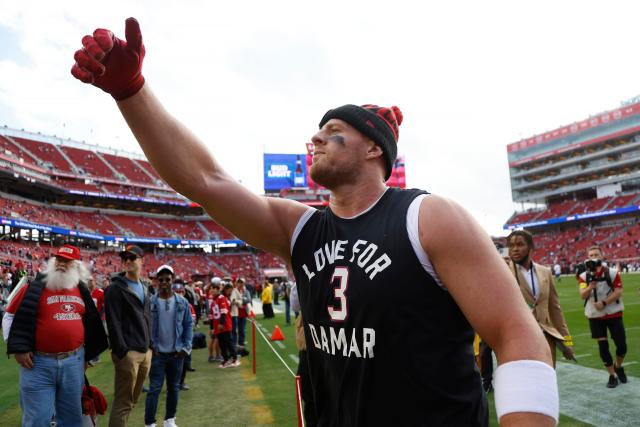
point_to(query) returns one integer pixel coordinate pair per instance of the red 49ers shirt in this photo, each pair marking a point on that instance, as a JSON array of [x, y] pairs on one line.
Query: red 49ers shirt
[[59, 325], [220, 307]]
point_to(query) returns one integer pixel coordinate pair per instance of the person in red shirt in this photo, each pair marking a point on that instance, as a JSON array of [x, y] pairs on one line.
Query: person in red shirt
[[97, 294], [222, 327], [212, 293], [52, 326]]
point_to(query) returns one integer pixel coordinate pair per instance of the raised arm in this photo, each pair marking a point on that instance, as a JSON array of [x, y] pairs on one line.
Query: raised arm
[[181, 159], [471, 269], [186, 164]]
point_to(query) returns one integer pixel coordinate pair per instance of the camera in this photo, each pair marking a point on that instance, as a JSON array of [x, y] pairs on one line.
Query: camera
[[591, 265]]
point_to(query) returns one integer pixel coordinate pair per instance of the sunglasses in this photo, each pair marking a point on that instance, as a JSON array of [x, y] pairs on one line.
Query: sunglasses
[[126, 258]]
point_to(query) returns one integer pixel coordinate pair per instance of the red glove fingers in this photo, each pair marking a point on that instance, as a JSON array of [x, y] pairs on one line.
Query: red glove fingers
[[93, 48], [112, 64], [83, 75], [133, 35], [86, 62], [104, 38]]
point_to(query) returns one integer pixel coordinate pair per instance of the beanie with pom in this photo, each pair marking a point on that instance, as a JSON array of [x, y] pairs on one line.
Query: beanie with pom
[[380, 124]]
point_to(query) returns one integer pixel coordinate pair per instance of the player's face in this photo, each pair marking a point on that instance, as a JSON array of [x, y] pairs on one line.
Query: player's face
[[338, 149], [518, 249]]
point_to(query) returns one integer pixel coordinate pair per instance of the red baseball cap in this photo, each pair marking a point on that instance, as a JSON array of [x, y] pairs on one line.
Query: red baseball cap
[[68, 252]]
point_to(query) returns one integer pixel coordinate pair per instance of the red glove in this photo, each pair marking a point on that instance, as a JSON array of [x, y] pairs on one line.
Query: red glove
[[112, 64]]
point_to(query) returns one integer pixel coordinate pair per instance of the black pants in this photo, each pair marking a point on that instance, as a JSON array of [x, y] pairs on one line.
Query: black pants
[[228, 351], [267, 309], [486, 364], [309, 407], [616, 329], [185, 367]]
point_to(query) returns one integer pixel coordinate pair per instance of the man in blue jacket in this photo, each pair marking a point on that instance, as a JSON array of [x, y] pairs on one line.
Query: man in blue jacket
[[171, 335]]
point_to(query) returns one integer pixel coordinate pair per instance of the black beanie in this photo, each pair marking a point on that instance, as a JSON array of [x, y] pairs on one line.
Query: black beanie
[[380, 124]]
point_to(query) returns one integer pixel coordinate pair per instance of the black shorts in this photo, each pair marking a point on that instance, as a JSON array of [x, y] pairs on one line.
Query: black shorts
[[599, 327]]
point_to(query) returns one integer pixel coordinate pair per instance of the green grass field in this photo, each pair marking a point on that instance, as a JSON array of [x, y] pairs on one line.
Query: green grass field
[[235, 397]]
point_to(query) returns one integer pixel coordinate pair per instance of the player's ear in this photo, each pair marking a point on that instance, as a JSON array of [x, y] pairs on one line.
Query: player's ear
[[373, 149]]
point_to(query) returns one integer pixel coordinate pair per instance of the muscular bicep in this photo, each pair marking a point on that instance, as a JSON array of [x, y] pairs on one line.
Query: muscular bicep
[[264, 222], [480, 282]]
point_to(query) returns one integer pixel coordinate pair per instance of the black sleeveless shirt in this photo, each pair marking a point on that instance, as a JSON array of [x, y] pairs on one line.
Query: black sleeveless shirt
[[386, 344]]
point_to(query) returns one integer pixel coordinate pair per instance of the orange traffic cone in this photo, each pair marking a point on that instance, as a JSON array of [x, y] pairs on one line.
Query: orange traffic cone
[[277, 334]]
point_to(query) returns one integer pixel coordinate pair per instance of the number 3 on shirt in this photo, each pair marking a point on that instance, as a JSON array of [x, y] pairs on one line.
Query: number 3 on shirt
[[339, 313]]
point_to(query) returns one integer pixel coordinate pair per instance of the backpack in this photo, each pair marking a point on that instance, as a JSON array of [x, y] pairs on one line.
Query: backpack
[[199, 340]]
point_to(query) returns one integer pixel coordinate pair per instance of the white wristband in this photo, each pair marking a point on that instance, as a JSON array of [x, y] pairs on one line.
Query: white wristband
[[526, 386]]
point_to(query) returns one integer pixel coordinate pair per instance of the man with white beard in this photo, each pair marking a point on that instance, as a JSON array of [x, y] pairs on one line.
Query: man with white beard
[[53, 328]]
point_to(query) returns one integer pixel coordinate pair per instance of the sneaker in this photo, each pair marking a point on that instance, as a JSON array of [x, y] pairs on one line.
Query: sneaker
[[145, 389], [621, 375], [184, 387], [171, 422], [235, 363], [224, 365], [219, 359], [613, 382], [190, 369], [212, 359], [150, 425]]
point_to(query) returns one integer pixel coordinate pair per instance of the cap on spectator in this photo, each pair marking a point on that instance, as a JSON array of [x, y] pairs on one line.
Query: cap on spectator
[[68, 252], [216, 280], [178, 287], [165, 267], [132, 250]]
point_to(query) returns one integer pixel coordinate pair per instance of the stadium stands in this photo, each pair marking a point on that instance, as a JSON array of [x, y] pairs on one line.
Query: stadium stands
[[56, 164]]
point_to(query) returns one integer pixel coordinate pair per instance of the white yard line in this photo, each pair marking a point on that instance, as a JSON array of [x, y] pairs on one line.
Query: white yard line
[[588, 334], [578, 356], [294, 358]]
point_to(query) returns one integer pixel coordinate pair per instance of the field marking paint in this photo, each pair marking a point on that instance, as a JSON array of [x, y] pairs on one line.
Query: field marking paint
[[575, 310], [588, 334], [259, 329], [262, 415], [578, 356], [633, 362], [260, 412], [253, 393], [580, 387], [279, 344], [297, 359]]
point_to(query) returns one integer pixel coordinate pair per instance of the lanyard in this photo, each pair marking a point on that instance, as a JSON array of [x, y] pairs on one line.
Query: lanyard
[[533, 284]]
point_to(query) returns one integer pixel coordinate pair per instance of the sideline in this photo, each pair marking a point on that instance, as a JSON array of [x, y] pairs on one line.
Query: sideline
[[584, 396]]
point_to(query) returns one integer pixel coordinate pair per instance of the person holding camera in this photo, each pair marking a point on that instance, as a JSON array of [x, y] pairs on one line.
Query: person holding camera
[[601, 288], [539, 291]]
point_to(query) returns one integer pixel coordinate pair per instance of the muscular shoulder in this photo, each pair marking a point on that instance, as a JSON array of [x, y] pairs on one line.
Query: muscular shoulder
[[441, 220]]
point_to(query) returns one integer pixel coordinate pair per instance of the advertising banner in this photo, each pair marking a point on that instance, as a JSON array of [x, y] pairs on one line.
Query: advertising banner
[[284, 171]]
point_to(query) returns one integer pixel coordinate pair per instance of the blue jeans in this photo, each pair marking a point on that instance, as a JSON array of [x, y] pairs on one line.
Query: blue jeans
[[234, 331], [163, 364], [242, 329], [52, 386]]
